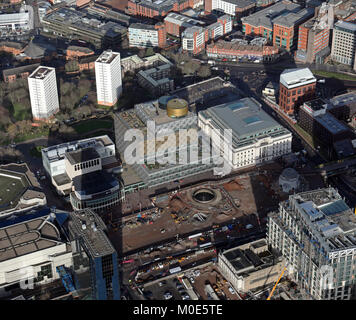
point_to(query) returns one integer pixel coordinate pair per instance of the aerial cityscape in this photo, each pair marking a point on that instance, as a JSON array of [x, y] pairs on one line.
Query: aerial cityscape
[[177, 150]]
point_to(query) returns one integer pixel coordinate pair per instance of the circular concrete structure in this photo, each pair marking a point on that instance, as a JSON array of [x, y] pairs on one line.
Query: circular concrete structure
[[163, 101], [177, 108], [204, 195], [289, 180]]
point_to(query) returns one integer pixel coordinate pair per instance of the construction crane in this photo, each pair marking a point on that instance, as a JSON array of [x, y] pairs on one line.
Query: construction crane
[[280, 277]]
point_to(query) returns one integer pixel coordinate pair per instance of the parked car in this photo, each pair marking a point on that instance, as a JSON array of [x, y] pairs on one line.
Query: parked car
[[232, 291]]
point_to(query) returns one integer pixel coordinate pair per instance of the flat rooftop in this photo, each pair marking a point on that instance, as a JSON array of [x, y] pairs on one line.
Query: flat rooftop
[[293, 78], [345, 26], [82, 155], [27, 233], [89, 227], [41, 72], [94, 183], [182, 20], [332, 220], [330, 123], [57, 152], [244, 117], [17, 182], [265, 17], [344, 99], [107, 57], [141, 26], [244, 259], [316, 104], [293, 18]]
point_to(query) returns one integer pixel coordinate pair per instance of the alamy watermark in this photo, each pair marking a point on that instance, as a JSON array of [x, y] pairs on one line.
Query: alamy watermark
[[171, 147], [27, 279]]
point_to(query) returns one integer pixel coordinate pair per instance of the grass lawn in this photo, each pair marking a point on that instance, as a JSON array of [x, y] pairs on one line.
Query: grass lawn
[[11, 190], [20, 112], [36, 151], [335, 75], [91, 125], [31, 135]]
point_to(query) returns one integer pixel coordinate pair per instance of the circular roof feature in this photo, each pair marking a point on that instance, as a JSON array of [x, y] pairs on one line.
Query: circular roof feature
[[177, 108]]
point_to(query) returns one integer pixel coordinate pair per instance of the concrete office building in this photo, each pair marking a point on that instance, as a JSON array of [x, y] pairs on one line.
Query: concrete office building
[[252, 266], [295, 87], [343, 106], [32, 246], [108, 78], [316, 119], [170, 114], [70, 23], [344, 43], [87, 233], [256, 137], [42, 84], [315, 231], [83, 170], [146, 35], [18, 22]]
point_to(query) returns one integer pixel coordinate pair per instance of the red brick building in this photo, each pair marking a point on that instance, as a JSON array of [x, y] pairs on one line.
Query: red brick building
[[230, 50], [296, 86], [12, 47], [74, 52], [285, 28], [10, 75], [176, 23], [158, 8]]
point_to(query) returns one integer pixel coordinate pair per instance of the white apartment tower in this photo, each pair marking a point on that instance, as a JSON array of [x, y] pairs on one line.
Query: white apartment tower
[[108, 78], [42, 84]]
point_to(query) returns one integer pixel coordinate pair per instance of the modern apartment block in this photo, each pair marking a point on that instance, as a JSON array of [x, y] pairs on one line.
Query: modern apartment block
[[42, 85], [237, 8], [194, 38], [344, 43], [108, 78], [221, 27], [256, 137], [314, 35], [295, 87], [316, 233], [87, 233], [145, 35]]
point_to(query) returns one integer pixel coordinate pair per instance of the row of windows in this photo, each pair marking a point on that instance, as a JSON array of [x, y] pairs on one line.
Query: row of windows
[[87, 164]]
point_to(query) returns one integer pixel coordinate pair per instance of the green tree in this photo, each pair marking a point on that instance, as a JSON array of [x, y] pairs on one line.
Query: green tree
[[71, 66]]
